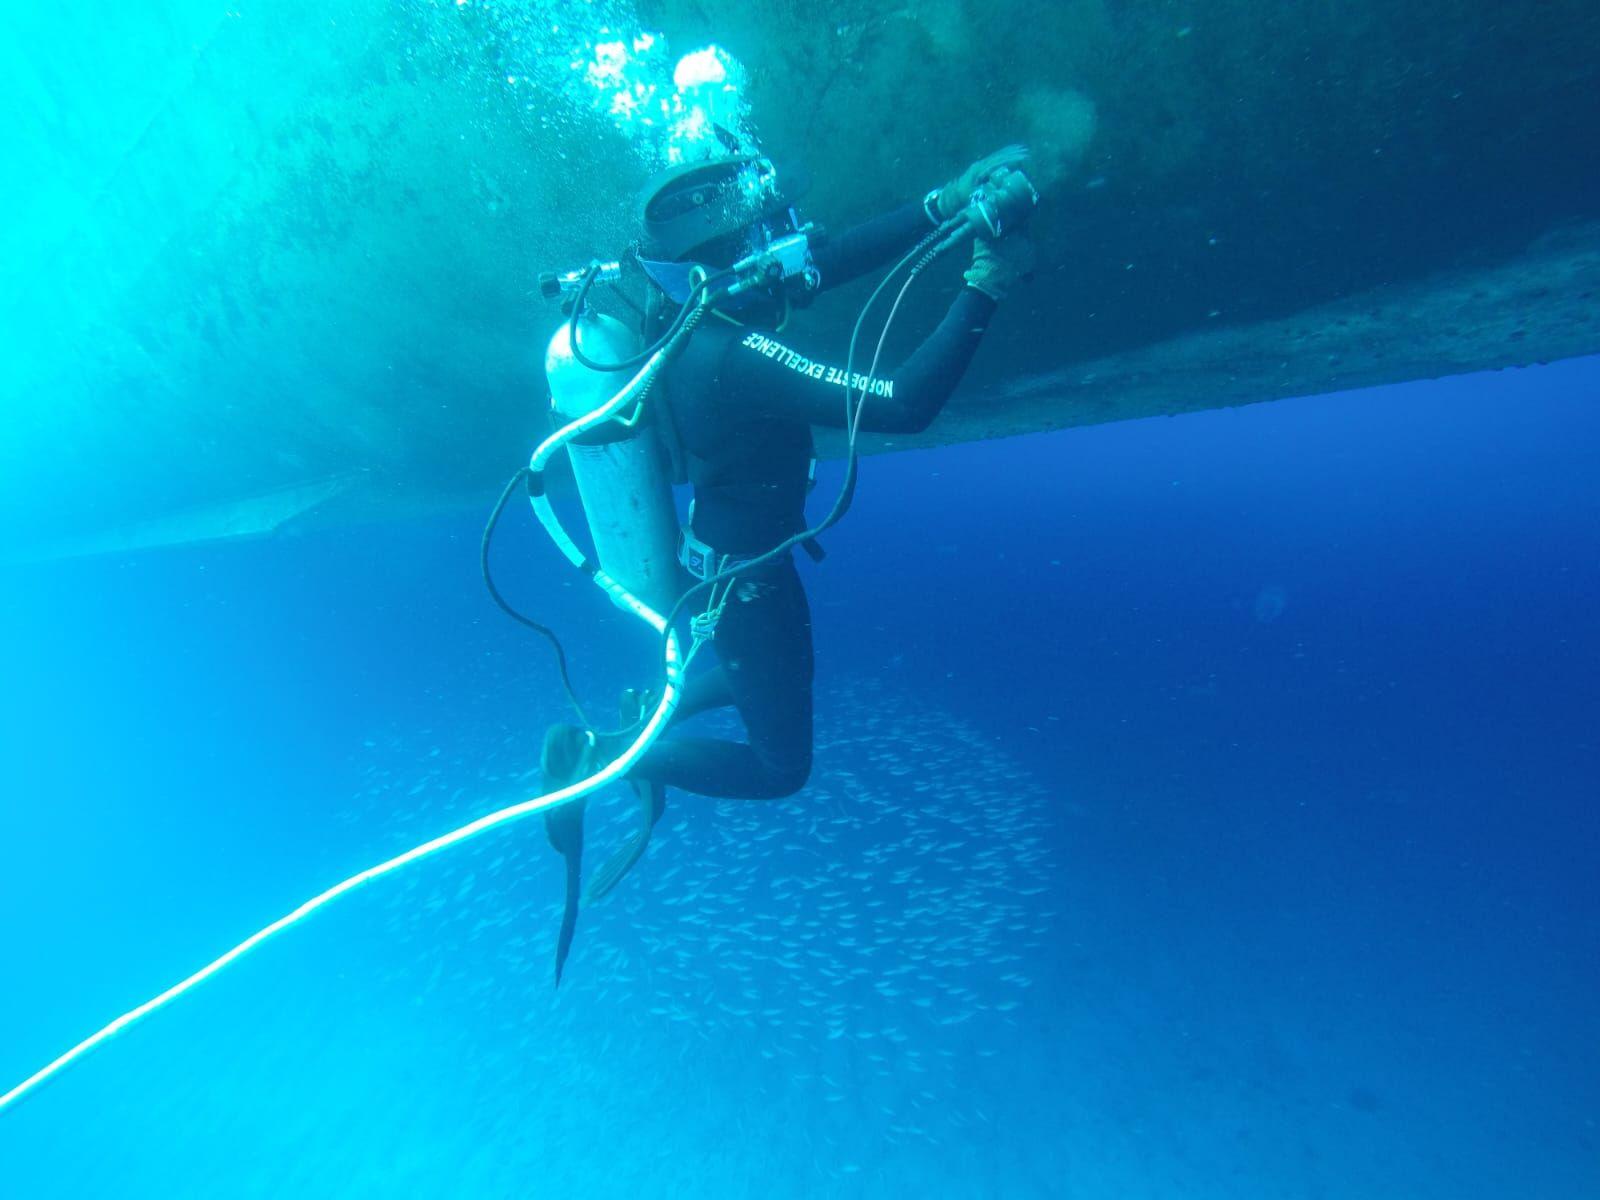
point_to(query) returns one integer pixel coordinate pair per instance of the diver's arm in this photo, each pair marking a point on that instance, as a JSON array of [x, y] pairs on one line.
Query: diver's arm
[[878, 242], [871, 244], [772, 378]]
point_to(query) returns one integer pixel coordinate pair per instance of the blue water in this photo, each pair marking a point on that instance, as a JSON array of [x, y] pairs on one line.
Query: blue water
[[1204, 808]]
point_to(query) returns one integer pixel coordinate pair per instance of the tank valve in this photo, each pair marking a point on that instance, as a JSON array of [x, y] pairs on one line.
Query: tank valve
[[552, 285]]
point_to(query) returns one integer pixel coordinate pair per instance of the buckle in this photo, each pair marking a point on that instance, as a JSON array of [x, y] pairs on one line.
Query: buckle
[[697, 558]]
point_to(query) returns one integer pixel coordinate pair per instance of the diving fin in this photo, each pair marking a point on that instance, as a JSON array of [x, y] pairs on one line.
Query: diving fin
[[652, 803], [565, 830], [565, 759], [634, 707]]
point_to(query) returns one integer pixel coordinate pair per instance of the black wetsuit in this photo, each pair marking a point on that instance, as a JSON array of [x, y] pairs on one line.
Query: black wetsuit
[[743, 402]]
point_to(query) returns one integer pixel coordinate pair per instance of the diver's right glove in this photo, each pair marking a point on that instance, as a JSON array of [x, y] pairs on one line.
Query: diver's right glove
[[945, 202], [998, 265]]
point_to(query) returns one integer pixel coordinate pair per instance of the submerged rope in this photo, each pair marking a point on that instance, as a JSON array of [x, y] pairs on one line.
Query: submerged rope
[[671, 691], [549, 800]]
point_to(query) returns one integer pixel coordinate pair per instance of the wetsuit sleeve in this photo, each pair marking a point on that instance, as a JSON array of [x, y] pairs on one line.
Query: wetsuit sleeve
[[871, 244], [771, 378]]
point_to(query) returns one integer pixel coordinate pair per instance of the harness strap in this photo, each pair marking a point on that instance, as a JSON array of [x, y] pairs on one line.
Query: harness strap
[[703, 561]]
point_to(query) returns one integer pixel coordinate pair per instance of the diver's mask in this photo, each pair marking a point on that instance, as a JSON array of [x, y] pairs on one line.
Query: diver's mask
[[722, 226], [774, 262]]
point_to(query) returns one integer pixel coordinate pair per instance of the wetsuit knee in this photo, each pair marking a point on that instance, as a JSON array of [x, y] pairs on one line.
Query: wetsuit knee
[[788, 777]]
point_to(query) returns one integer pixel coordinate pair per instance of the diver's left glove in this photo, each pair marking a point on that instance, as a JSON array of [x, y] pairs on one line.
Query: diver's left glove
[[945, 202], [1000, 264]]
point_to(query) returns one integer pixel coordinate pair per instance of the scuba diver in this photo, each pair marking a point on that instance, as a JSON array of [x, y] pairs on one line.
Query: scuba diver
[[737, 404]]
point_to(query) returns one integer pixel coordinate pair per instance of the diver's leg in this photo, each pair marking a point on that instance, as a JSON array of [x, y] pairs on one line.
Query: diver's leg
[[768, 658], [763, 641], [705, 690]]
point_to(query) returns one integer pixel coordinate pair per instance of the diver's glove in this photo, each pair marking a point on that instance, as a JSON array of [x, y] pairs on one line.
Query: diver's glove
[[998, 265], [945, 202]]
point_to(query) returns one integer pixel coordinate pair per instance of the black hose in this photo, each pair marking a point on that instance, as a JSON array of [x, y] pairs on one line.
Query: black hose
[[543, 631], [633, 362]]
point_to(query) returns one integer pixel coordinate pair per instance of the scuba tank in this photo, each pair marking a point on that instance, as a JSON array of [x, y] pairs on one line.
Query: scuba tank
[[621, 468], [624, 482]]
